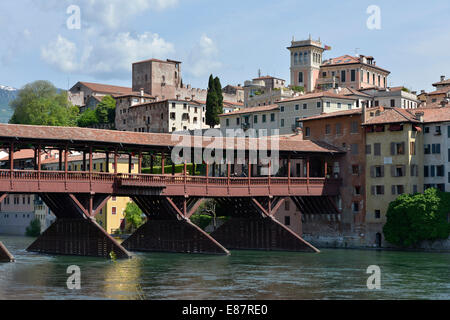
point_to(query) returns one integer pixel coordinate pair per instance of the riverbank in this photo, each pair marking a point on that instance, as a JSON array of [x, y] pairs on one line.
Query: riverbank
[[333, 242]]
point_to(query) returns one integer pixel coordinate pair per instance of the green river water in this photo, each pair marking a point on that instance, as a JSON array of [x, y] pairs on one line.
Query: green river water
[[248, 275]]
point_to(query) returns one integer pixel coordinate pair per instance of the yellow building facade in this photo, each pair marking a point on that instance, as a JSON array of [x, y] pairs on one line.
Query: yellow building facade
[[394, 165], [113, 213]]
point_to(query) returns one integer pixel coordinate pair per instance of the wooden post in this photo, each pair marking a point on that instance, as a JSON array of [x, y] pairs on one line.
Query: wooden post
[[289, 174], [107, 162], [116, 160], [163, 163], [11, 158], [90, 165], [307, 170], [326, 169], [60, 160], [152, 162], [39, 166], [140, 162], [84, 161], [130, 162], [66, 162]]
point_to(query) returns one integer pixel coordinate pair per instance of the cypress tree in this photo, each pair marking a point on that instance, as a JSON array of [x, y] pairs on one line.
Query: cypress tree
[[219, 106], [211, 103]]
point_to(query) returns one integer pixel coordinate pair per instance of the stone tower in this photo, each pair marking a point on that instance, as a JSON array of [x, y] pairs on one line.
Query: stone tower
[[306, 59]]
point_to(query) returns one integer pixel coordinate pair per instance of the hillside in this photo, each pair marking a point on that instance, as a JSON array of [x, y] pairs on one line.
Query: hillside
[[6, 95]]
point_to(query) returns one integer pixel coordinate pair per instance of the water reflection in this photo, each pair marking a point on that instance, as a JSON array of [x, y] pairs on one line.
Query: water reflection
[[333, 274]]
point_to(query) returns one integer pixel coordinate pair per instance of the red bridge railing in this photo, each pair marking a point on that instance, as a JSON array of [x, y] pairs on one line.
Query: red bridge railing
[[162, 181]]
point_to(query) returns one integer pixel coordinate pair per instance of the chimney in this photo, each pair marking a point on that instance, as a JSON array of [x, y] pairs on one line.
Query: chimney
[[419, 115], [422, 91], [442, 78], [142, 95]]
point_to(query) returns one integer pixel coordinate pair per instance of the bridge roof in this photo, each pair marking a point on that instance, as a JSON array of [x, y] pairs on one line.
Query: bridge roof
[[135, 141]]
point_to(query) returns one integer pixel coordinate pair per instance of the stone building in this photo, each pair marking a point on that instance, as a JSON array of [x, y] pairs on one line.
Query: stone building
[[343, 130], [165, 116], [394, 162], [264, 91], [308, 69]]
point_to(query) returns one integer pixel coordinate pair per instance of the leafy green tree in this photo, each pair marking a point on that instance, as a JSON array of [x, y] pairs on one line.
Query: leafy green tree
[[39, 103], [87, 119], [133, 215], [106, 110], [34, 229], [414, 218]]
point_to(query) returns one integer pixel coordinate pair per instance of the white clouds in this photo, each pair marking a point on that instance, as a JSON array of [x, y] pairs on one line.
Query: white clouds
[[62, 54], [109, 14], [105, 56], [203, 58]]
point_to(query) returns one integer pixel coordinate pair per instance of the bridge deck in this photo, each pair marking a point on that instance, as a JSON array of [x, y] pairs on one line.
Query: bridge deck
[[21, 181]]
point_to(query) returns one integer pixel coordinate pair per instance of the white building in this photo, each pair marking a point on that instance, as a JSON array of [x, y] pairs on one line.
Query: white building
[[393, 97], [285, 114]]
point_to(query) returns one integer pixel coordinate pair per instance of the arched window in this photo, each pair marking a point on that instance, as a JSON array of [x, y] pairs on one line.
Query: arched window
[[300, 60], [296, 58], [300, 77], [305, 58]]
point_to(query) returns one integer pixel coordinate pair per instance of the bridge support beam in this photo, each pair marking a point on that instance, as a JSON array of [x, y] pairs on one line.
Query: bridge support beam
[[169, 229], [5, 255], [253, 226], [75, 232]]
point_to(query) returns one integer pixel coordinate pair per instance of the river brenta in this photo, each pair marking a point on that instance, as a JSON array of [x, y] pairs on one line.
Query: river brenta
[[247, 275]]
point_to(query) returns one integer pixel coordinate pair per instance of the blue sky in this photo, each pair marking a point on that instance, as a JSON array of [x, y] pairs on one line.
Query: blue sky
[[231, 39]]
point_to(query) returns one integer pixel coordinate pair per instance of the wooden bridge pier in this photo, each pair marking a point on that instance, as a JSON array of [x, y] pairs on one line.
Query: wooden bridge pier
[[5, 255], [169, 229], [75, 232], [253, 226]]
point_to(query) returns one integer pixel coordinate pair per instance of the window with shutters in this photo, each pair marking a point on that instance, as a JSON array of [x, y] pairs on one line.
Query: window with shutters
[[287, 221], [377, 149], [377, 214], [440, 171], [338, 128], [397, 148], [354, 149], [357, 190], [378, 172], [398, 171], [369, 149], [354, 127], [414, 170], [436, 149], [413, 148], [398, 190], [355, 207], [287, 205], [327, 129], [377, 190]]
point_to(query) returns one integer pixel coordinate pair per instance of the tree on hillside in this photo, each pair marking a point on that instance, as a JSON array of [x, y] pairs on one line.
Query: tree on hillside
[[39, 103], [87, 119], [106, 110], [214, 102], [414, 218]]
